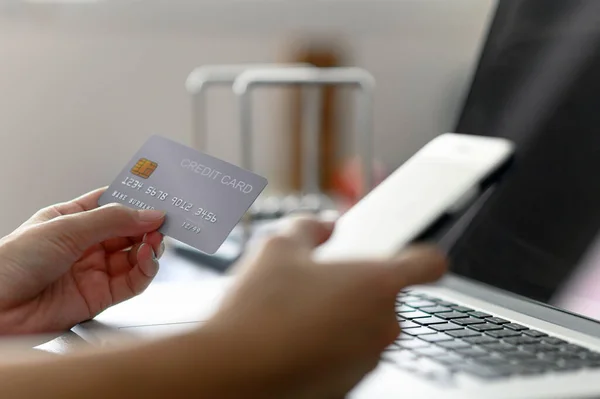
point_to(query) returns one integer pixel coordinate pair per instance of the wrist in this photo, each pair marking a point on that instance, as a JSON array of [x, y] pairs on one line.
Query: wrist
[[261, 359], [239, 363], [212, 361]]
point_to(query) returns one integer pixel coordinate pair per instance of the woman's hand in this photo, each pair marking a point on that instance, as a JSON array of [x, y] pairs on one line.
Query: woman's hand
[[73, 260], [315, 329], [291, 327]]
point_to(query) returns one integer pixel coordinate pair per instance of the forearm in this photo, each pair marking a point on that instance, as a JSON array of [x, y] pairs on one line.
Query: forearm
[[203, 364]]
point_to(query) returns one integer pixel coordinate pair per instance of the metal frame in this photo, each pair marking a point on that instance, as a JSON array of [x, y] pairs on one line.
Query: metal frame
[[304, 76], [202, 78]]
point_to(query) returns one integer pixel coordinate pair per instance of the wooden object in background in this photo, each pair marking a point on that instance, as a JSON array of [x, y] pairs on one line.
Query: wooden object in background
[[320, 55]]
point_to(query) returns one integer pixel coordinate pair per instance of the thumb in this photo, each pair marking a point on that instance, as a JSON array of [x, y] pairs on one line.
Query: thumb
[[308, 232], [77, 232], [419, 265]]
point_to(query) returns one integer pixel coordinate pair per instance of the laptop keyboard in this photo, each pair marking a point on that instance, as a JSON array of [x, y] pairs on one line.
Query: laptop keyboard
[[441, 339]]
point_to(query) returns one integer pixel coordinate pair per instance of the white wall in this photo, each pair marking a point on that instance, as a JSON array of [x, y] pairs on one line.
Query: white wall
[[81, 86]]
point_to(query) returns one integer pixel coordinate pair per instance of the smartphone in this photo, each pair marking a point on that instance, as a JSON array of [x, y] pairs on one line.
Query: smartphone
[[420, 198]]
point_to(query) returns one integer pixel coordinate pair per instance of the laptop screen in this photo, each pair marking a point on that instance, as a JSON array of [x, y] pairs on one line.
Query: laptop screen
[[538, 83]]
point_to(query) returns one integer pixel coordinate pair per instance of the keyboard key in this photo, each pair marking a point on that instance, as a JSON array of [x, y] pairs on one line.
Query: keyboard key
[[519, 355], [491, 361], [565, 355], [535, 333], [499, 347], [468, 321], [502, 333], [525, 371], [421, 304], [435, 337], [554, 341], [455, 344], [515, 326], [485, 327], [573, 348], [523, 340], [404, 324], [513, 369], [402, 309], [589, 363], [592, 363], [480, 315], [536, 364], [449, 358], [419, 331], [482, 339], [537, 348], [589, 355], [463, 333], [430, 351], [445, 303], [480, 372], [412, 344], [497, 320], [551, 356], [431, 320], [415, 315], [435, 309], [446, 327], [556, 356], [452, 315], [472, 352], [564, 365], [462, 309]]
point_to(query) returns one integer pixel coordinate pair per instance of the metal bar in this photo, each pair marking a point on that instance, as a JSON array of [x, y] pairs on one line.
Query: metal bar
[[202, 78], [312, 101], [357, 77]]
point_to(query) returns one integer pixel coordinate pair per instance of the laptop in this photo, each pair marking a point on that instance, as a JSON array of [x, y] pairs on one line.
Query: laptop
[[518, 314]]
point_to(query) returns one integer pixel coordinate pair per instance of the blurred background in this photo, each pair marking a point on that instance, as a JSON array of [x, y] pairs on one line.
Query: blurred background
[[83, 83]]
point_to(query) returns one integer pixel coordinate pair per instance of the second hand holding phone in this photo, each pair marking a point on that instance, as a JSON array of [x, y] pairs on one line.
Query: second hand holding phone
[[440, 180]]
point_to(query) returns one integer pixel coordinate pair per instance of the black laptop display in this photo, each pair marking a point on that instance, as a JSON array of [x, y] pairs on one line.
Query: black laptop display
[[538, 83]]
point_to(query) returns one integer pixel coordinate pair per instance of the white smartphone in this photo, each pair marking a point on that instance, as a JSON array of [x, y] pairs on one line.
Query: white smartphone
[[440, 180]]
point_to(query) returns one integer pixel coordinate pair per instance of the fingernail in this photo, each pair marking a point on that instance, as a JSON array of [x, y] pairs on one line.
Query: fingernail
[[152, 254], [329, 214], [161, 249], [150, 215]]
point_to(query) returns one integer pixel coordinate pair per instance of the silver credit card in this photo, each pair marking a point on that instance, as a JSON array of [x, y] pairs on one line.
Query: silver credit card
[[204, 197]]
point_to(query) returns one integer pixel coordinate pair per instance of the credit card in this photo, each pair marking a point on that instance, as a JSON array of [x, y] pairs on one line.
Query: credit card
[[204, 197]]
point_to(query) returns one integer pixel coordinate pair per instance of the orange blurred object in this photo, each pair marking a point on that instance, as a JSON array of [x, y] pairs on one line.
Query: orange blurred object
[[348, 181]]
